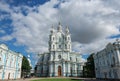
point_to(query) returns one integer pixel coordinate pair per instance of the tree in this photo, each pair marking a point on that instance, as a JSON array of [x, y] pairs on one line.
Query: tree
[[25, 66], [89, 68]]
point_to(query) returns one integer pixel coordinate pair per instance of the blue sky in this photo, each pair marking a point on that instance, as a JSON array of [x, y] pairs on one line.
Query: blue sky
[[25, 24], [7, 28]]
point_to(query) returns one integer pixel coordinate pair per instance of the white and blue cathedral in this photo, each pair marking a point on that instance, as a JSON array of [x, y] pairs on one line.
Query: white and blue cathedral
[[60, 60]]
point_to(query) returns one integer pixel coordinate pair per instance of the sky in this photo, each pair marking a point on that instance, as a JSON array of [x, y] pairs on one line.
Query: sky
[[25, 24]]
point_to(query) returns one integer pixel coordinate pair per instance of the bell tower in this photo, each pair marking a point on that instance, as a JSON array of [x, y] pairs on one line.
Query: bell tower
[[52, 45], [67, 40]]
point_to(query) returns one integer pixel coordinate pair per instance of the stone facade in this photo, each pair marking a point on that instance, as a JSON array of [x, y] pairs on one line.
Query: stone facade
[[10, 63], [60, 60], [107, 62]]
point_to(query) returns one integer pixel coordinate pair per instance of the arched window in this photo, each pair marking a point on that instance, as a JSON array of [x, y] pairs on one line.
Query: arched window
[[65, 38], [53, 46], [60, 39], [60, 46], [0, 59], [71, 71], [42, 58], [70, 58], [53, 38], [69, 46], [113, 61], [42, 70], [68, 38], [108, 63], [76, 59], [65, 46]]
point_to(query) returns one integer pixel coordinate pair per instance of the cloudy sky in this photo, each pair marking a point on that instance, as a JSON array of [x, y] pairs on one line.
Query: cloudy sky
[[25, 24]]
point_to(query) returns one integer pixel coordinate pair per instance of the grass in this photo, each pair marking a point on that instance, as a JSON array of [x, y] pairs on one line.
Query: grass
[[56, 79]]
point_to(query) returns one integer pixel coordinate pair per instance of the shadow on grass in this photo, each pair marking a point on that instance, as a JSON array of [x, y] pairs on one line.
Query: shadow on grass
[[57, 79]]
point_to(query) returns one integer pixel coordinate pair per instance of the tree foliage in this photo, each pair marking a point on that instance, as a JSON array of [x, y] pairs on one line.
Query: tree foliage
[[25, 64], [89, 68]]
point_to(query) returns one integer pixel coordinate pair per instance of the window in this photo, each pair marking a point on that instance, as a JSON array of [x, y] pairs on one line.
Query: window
[[53, 38], [6, 61], [65, 38], [68, 38], [60, 39], [10, 63], [108, 63], [59, 46], [76, 59], [42, 58], [18, 64], [53, 46], [48, 57], [65, 46], [59, 56], [70, 58], [0, 59], [109, 73], [114, 61]]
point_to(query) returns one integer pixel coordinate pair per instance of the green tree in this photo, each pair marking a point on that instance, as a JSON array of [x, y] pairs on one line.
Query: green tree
[[25, 66], [89, 68]]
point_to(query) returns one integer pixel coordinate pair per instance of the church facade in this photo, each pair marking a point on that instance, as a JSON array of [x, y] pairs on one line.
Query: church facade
[[107, 61], [60, 60]]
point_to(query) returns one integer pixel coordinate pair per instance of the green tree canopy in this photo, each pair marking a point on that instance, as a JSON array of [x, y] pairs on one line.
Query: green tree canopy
[[25, 64], [89, 68]]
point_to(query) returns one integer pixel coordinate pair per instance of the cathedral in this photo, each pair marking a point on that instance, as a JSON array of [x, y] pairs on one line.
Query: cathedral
[[60, 61]]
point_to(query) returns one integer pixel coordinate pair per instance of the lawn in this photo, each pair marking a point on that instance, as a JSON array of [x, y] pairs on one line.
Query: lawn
[[56, 79]]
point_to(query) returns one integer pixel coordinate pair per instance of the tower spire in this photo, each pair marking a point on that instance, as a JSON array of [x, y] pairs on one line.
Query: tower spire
[[67, 30], [59, 27], [52, 30]]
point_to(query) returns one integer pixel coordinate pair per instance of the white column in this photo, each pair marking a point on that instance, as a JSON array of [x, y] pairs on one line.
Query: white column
[[63, 69], [118, 56], [55, 70], [43, 70], [51, 69], [68, 69], [75, 70]]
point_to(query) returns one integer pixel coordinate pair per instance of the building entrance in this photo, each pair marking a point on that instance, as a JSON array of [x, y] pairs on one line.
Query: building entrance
[[59, 71]]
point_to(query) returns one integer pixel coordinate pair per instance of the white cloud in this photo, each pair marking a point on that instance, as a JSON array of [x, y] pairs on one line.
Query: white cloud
[[4, 7], [6, 38], [90, 22], [2, 31]]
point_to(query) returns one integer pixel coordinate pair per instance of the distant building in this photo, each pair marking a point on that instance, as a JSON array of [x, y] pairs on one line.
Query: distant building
[[10, 63], [107, 62], [60, 60]]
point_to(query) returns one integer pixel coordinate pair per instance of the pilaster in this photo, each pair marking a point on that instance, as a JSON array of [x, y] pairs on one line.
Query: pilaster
[[64, 69], [51, 69], [68, 69]]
